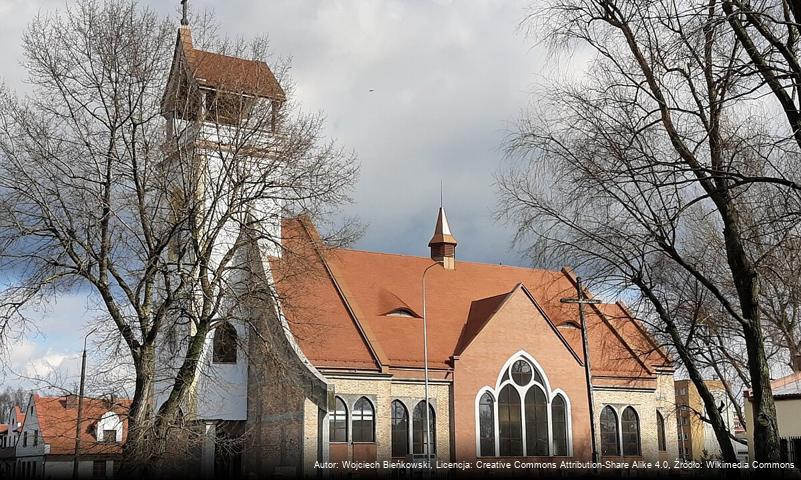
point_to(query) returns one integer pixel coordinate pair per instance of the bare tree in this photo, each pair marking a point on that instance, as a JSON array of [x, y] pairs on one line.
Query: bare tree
[[11, 397], [158, 218], [660, 143]]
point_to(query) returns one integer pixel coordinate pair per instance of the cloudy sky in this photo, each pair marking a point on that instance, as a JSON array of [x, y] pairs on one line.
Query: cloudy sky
[[422, 90]]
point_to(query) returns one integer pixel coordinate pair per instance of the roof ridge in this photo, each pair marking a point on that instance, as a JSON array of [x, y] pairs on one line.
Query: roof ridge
[[605, 320], [232, 57], [469, 262], [373, 346]]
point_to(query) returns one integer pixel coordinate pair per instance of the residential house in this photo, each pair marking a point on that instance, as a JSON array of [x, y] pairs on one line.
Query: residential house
[[45, 443], [697, 440]]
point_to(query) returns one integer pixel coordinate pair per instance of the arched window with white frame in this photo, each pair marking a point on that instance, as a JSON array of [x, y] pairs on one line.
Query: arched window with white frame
[[486, 425], [510, 427], [536, 422], [522, 416], [559, 425]]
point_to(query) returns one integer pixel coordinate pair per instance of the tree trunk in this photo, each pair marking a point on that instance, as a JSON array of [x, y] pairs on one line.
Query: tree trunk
[[140, 415], [722, 433], [766, 430]]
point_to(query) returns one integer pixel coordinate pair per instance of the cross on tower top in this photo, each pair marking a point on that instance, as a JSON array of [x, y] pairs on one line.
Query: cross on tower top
[[184, 19]]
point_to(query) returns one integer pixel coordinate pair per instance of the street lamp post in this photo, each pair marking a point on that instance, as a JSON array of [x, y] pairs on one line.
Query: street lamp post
[[582, 300], [80, 409], [425, 367]]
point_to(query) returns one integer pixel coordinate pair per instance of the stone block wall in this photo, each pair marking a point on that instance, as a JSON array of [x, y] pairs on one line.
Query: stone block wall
[[645, 403], [382, 392]]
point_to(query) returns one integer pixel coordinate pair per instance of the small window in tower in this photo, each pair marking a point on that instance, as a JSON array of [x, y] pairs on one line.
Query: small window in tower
[[224, 346], [401, 312]]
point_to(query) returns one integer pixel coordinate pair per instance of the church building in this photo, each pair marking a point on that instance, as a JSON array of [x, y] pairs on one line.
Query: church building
[[333, 367]]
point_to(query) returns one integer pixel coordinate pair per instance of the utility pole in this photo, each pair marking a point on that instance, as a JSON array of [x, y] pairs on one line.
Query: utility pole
[[582, 300], [80, 410]]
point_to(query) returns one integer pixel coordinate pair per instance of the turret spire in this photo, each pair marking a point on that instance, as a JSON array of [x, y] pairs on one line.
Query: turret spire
[[443, 244]]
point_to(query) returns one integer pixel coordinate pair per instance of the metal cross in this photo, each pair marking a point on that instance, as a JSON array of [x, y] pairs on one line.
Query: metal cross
[[582, 300], [184, 19]]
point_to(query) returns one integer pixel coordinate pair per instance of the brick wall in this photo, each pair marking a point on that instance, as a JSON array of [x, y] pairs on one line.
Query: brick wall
[[518, 326]]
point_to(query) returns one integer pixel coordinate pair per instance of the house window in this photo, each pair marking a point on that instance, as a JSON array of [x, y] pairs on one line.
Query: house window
[[630, 426], [536, 422], [35, 438], [224, 344], [363, 421], [510, 427], [338, 424], [400, 430], [25, 439], [559, 425], [99, 469], [660, 432], [486, 422], [610, 444], [110, 436], [419, 440]]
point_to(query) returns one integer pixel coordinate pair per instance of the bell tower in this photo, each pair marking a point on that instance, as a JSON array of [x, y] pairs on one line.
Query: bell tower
[[443, 244], [222, 119]]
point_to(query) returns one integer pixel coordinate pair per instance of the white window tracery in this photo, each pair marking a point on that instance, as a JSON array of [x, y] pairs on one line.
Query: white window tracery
[[522, 415]]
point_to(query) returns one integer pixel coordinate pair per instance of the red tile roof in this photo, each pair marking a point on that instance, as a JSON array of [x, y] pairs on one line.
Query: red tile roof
[[57, 424], [311, 303], [3, 427], [348, 295], [636, 335], [228, 73], [235, 75], [788, 386]]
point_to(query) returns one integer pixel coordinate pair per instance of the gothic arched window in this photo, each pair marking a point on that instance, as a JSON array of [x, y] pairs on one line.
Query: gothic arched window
[[630, 428], [536, 422], [338, 424], [610, 444], [660, 432], [224, 344], [419, 439], [363, 421], [522, 416], [486, 424], [400, 430], [559, 425], [510, 427]]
